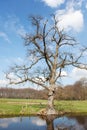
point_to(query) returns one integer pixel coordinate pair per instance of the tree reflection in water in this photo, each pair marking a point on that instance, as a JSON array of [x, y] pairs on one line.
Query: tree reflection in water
[[49, 121], [66, 123]]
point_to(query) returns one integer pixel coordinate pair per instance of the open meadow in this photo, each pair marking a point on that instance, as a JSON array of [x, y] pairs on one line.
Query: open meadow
[[18, 107]]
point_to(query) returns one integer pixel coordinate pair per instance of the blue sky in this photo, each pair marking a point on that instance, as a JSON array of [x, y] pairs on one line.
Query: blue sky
[[14, 24]]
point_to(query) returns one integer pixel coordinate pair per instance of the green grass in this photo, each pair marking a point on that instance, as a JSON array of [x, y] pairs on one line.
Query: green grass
[[17, 107], [76, 107]]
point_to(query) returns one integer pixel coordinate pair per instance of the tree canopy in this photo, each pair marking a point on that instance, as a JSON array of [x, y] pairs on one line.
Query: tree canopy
[[49, 51]]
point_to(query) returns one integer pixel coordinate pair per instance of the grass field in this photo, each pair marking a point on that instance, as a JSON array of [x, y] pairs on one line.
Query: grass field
[[17, 107]]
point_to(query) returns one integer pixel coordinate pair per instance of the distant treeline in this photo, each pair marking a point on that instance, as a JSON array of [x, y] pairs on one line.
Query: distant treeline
[[77, 91]]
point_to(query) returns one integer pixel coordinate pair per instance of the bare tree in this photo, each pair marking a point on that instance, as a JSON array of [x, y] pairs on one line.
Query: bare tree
[[49, 51]]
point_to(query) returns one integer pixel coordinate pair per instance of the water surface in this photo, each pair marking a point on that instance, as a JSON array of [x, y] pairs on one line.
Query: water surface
[[47, 123]]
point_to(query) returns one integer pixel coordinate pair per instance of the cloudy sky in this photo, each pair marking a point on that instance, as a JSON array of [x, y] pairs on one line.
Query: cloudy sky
[[14, 24]]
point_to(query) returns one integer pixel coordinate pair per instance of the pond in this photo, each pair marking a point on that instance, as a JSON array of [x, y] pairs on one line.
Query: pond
[[44, 123]]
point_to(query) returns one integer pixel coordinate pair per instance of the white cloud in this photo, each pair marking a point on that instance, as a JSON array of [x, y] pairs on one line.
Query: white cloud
[[4, 123], [21, 31], [5, 37], [14, 25], [3, 82], [13, 77], [77, 74], [39, 122], [64, 73], [18, 60], [71, 18], [68, 19], [69, 123], [73, 75], [53, 3], [75, 4]]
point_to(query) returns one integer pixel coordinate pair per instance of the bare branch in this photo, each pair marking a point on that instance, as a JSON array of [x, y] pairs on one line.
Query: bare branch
[[52, 49], [45, 50], [36, 22], [26, 79]]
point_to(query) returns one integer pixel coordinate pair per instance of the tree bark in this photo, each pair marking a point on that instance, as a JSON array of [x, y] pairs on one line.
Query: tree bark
[[50, 105]]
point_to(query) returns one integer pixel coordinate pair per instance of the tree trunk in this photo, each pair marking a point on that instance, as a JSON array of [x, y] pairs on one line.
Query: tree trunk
[[50, 105]]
